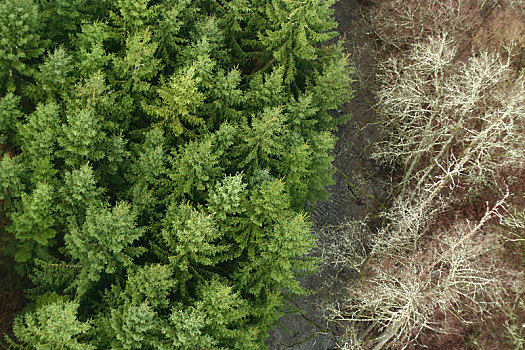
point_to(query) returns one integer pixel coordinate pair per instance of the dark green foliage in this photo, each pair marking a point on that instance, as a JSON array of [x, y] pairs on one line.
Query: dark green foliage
[[81, 138], [90, 53], [33, 222], [103, 244], [11, 178], [10, 115], [78, 193], [293, 29], [20, 24], [157, 159], [62, 18], [53, 78], [39, 141], [138, 63]]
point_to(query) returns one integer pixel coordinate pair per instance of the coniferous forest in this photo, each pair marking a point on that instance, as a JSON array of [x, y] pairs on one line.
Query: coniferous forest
[[158, 161]]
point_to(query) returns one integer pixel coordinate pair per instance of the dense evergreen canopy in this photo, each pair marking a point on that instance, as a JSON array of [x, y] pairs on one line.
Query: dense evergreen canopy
[[157, 158]]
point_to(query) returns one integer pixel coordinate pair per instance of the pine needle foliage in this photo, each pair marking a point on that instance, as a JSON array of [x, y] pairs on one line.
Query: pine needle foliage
[[157, 159]]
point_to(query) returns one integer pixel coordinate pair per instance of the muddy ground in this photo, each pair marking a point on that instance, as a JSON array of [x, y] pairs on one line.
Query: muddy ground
[[357, 182]]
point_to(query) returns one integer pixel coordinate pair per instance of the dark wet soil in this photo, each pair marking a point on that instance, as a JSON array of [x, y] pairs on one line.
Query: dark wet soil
[[359, 186]]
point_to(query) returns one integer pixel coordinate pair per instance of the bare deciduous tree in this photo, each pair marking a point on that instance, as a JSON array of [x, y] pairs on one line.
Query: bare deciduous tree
[[450, 124]]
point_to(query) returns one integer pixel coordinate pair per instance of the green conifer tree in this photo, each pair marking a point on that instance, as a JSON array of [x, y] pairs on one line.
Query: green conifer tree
[[52, 326], [81, 138], [178, 102], [33, 222], [195, 169], [12, 174], [148, 174], [78, 193], [19, 29], [90, 52], [39, 141], [192, 242], [138, 65], [103, 245], [292, 31], [53, 78], [10, 115]]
